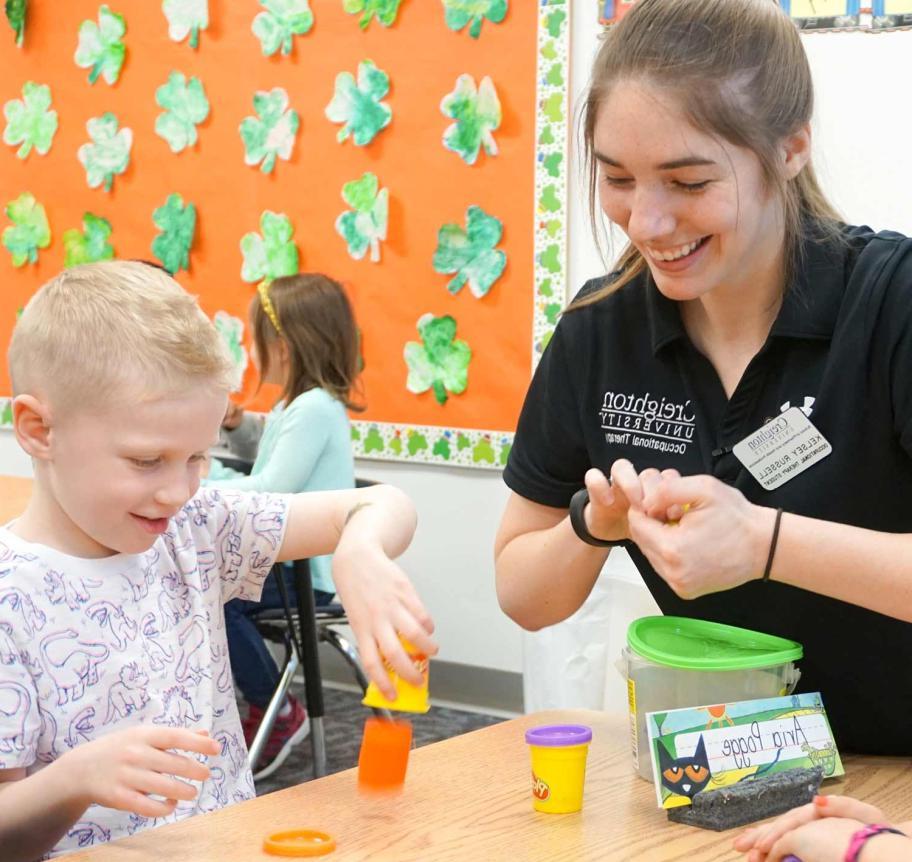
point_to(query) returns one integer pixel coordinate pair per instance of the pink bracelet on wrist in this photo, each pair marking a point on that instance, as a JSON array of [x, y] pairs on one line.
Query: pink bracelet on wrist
[[862, 836]]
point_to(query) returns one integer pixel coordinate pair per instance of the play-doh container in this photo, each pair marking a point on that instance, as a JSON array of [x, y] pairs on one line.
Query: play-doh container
[[675, 662], [558, 766]]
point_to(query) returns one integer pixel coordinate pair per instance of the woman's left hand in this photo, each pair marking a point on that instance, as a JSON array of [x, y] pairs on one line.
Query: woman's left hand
[[719, 540]]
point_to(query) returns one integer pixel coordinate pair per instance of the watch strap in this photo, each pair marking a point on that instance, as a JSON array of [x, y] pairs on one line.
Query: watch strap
[[578, 503]]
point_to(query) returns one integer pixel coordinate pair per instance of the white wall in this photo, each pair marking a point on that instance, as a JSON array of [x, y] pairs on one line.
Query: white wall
[[862, 136]]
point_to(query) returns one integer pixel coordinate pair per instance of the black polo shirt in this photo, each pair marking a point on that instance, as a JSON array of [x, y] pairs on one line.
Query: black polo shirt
[[621, 379]]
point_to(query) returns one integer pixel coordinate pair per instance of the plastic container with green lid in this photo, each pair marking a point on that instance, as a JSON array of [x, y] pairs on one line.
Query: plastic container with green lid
[[675, 662]]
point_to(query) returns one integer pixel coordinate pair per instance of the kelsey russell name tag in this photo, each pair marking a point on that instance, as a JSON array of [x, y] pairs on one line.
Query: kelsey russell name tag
[[783, 448]]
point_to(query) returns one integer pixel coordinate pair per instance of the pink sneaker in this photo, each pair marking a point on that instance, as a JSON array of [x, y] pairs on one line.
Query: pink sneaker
[[287, 732]]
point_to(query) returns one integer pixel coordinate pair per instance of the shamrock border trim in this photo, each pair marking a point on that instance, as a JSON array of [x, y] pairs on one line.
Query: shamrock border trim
[[482, 449]]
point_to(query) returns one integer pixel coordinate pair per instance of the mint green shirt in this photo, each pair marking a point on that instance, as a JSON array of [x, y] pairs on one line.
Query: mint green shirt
[[305, 446]]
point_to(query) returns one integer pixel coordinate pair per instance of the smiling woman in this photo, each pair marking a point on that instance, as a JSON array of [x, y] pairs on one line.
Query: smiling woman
[[739, 294]]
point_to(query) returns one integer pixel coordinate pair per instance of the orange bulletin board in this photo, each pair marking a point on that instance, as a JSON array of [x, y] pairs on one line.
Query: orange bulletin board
[[522, 186]]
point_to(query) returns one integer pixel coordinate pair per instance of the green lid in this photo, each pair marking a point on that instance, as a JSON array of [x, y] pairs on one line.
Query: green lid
[[700, 645]]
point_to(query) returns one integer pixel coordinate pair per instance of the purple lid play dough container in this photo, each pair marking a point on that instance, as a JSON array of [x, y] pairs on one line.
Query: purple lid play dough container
[[559, 734]]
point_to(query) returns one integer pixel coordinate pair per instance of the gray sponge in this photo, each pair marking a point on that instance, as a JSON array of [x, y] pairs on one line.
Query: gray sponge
[[750, 799]]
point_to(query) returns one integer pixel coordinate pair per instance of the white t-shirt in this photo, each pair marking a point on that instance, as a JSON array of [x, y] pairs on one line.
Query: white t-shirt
[[88, 646]]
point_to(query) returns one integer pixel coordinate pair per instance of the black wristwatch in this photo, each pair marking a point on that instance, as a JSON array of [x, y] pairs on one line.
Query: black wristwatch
[[578, 504]]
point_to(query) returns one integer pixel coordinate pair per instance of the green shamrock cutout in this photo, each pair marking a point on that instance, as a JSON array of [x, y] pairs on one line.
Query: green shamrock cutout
[[16, 11], [29, 230], [483, 451], [440, 362], [280, 23], [186, 17], [458, 13], [177, 224], [365, 225], [109, 152], [358, 106], [232, 331], [442, 448], [100, 48], [416, 442], [477, 115], [272, 132], [29, 121], [274, 253], [374, 440], [90, 244], [385, 11], [185, 105], [471, 253]]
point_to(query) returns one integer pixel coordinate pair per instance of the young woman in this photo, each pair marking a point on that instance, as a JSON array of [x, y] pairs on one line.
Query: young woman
[[742, 312]]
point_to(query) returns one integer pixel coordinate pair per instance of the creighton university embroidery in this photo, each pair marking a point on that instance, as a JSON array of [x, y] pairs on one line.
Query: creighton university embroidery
[[647, 422]]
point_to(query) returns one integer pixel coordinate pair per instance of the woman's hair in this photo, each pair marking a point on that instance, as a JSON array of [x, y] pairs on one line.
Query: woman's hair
[[739, 71], [317, 324]]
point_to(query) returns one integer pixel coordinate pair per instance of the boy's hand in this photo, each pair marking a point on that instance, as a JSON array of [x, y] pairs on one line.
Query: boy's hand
[[381, 603], [122, 769]]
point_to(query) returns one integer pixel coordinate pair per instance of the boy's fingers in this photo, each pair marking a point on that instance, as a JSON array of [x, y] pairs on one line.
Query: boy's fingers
[[156, 784], [168, 763], [373, 665], [395, 654], [180, 738], [139, 803]]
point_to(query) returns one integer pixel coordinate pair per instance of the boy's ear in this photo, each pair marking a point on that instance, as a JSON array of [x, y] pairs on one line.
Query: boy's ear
[[31, 422]]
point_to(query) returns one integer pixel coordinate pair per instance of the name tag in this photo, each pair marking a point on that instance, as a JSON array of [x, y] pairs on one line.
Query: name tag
[[781, 449]]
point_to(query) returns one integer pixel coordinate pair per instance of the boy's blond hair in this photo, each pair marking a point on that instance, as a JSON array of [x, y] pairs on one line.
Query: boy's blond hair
[[104, 331]]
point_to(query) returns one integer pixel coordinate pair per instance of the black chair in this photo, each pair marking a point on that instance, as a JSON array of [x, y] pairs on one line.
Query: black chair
[[300, 628]]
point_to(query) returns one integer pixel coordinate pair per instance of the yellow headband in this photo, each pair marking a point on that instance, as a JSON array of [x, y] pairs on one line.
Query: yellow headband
[[263, 291]]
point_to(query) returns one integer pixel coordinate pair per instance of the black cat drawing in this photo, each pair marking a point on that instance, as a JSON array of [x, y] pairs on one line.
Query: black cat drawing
[[684, 776]]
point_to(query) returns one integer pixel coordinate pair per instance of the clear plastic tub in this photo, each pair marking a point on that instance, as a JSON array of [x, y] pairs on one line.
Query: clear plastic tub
[[694, 663]]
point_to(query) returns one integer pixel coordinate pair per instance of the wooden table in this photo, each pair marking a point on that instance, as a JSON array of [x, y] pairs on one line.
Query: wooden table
[[468, 799], [14, 494]]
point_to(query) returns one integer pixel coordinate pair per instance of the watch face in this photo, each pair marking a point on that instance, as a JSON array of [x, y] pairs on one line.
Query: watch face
[[818, 8], [897, 7]]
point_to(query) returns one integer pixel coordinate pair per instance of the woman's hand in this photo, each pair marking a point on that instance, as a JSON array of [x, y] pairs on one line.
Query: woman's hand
[[759, 841], [701, 535], [610, 499]]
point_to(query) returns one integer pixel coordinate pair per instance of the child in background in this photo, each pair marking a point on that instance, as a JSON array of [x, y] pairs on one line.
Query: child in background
[[305, 341], [113, 653]]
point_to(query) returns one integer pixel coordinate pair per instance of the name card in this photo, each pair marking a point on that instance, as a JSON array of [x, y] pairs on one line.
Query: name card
[[705, 748]]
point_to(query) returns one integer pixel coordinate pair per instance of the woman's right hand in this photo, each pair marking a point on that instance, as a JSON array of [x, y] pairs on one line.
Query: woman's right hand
[[610, 500]]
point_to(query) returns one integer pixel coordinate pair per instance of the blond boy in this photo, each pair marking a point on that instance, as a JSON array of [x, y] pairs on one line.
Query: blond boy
[[117, 710]]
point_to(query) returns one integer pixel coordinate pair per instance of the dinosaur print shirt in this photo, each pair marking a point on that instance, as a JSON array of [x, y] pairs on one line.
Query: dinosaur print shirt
[[92, 646]]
